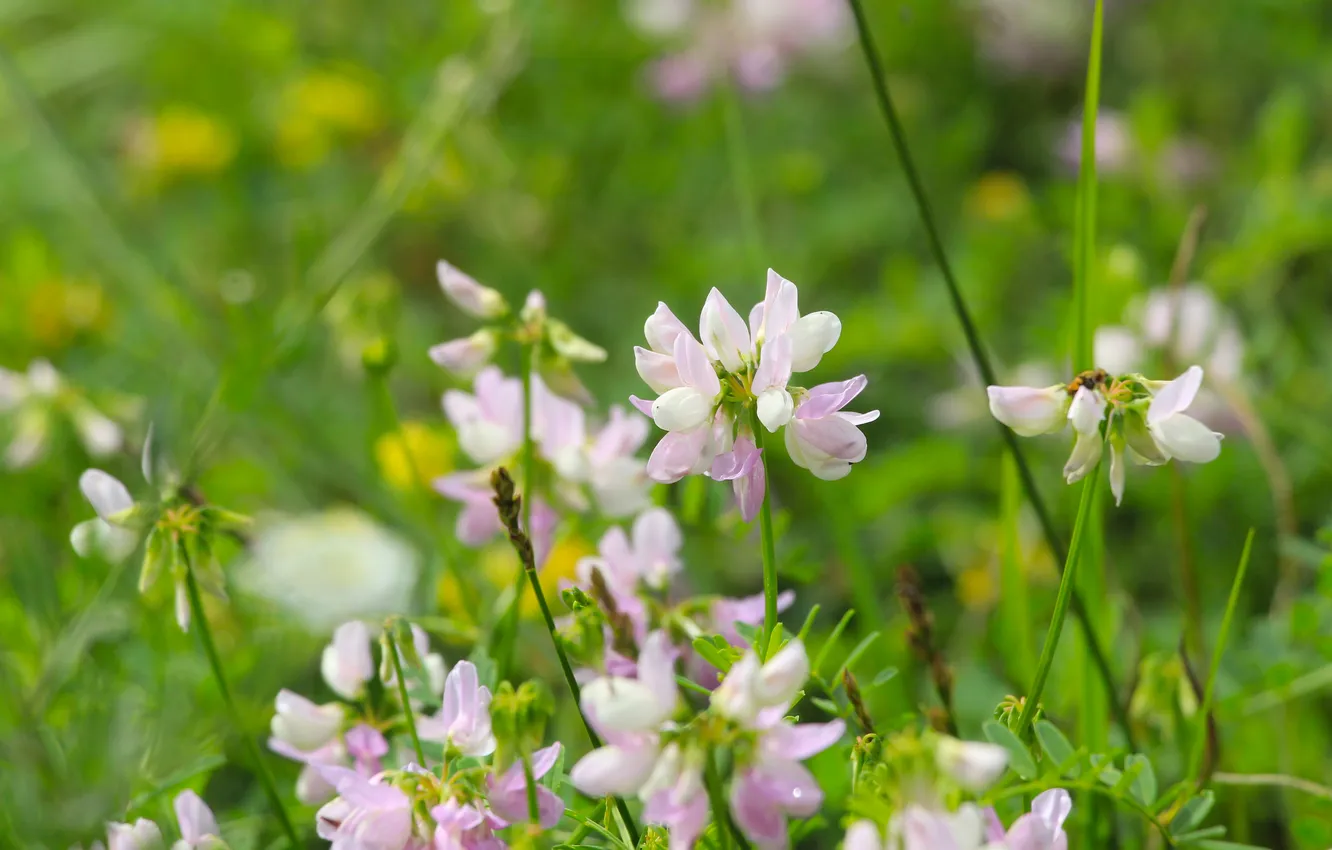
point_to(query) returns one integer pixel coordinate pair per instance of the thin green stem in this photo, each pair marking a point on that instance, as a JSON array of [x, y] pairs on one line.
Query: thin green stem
[[407, 712], [977, 350], [742, 174], [1274, 780], [533, 810], [201, 626], [528, 459], [522, 544], [1085, 233], [1061, 605], [1209, 692], [1309, 683], [769, 550]]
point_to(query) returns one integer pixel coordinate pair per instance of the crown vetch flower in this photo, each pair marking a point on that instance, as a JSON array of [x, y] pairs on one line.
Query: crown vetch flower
[[714, 392], [508, 793], [463, 722], [1142, 420]]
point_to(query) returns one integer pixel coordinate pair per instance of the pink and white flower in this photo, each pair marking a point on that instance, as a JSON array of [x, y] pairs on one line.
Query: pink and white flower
[[198, 827], [367, 813], [508, 793], [463, 723], [714, 393]]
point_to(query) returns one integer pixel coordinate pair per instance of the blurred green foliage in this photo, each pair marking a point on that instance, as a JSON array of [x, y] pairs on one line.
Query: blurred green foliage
[[215, 207]]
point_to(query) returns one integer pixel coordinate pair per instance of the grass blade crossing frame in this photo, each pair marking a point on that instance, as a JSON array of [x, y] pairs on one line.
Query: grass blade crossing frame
[[978, 354]]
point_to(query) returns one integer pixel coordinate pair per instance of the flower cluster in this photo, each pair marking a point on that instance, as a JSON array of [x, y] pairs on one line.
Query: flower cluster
[[969, 828], [375, 795], [648, 754], [36, 401], [753, 41], [198, 829], [180, 532], [1140, 418], [577, 464], [715, 393]]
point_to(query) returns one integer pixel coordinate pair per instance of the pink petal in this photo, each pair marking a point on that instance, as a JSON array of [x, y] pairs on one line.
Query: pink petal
[[676, 455], [826, 399], [801, 740], [691, 358]]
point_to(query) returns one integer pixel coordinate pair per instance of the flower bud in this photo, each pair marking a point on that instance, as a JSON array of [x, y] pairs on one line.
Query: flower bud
[[569, 344], [782, 676], [466, 356], [471, 297], [1086, 411], [143, 834], [303, 724]]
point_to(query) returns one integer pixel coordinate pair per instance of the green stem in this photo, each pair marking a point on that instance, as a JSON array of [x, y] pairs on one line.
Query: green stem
[[769, 549], [533, 810], [742, 175], [406, 702], [1085, 233], [1200, 736], [215, 662], [1061, 605], [509, 631], [978, 355]]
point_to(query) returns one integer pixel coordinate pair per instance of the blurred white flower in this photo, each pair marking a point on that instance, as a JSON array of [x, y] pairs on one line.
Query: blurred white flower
[[330, 567], [34, 399]]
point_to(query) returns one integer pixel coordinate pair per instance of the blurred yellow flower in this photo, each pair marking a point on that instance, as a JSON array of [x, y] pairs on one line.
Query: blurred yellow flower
[[319, 106], [182, 141], [976, 587], [418, 450], [61, 308], [498, 566], [998, 196]]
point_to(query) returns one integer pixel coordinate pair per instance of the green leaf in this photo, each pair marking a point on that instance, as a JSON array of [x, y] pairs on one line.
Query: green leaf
[[155, 557], [1227, 845], [1193, 812], [809, 623], [1019, 757], [860, 649], [831, 641], [827, 705], [884, 676], [709, 652], [1054, 744], [747, 631], [1200, 834], [1144, 784]]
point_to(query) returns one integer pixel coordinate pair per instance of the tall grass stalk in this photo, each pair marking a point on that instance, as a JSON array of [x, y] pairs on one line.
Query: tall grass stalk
[[1061, 603], [977, 350], [396, 653], [1209, 691], [200, 622]]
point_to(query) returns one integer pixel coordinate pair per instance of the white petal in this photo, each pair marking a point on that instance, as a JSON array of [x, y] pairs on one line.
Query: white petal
[[105, 493], [1028, 410], [612, 770], [681, 409], [774, 408], [1086, 453], [1175, 396], [1185, 438], [100, 436], [1117, 472], [658, 371], [782, 676], [973, 765], [1086, 411], [812, 337], [626, 705]]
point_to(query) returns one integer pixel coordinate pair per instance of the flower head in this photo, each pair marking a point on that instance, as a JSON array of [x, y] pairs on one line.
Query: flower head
[[713, 394], [39, 398], [463, 722]]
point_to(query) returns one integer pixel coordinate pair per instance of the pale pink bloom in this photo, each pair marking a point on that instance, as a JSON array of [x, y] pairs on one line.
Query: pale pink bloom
[[618, 479], [367, 746], [367, 814], [822, 437], [460, 826], [303, 724], [752, 40], [312, 788], [198, 827], [650, 557], [467, 355], [346, 663], [743, 467], [750, 687], [508, 794], [1030, 411], [1043, 827], [863, 835], [464, 720], [479, 521], [811, 336], [471, 297], [775, 785], [689, 406], [675, 797], [745, 609], [143, 834], [682, 453], [629, 714], [489, 422]]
